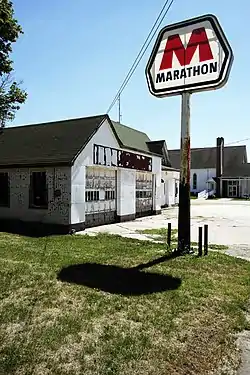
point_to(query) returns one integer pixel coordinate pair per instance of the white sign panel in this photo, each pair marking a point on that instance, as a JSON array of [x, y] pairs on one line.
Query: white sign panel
[[190, 56]]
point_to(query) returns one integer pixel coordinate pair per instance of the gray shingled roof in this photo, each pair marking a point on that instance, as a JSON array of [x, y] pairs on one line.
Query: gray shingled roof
[[160, 148], [202, 158], [131, 138], [60, 142], [156, 146], [49, 143], [242, 170]]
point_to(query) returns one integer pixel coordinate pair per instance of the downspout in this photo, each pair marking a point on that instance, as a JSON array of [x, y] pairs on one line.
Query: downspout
[[219, 165]]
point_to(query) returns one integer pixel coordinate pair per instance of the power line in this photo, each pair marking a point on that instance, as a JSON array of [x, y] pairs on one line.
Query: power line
[[136, 63], [200, 148], [142, 51], [242, 140]]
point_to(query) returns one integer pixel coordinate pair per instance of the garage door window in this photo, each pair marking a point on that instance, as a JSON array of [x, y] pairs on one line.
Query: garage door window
[[109, 195], [91, 196]]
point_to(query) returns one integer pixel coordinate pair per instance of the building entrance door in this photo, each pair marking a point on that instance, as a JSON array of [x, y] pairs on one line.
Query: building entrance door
[[233, 187]]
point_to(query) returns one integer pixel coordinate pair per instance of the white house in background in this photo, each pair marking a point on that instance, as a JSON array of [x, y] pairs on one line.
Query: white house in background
[[226, 165], [69, 175]]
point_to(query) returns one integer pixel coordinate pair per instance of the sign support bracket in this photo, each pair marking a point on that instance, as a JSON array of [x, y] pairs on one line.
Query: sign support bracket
[[184, 186]]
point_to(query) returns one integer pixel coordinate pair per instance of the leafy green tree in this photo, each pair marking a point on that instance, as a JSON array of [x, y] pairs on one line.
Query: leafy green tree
[[11, 94]]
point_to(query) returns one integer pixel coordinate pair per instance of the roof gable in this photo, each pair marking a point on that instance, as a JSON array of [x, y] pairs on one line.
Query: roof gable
[[160, 148]]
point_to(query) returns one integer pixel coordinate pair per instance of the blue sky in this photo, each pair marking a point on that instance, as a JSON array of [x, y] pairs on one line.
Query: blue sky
[[74, 55]]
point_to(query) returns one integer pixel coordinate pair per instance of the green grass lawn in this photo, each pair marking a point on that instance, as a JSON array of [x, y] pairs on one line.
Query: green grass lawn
[[161, 234], [174, 318]]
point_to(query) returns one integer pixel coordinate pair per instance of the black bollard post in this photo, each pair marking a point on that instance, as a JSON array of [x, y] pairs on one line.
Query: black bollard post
[[169, 235], [200, 242], [205, 239]]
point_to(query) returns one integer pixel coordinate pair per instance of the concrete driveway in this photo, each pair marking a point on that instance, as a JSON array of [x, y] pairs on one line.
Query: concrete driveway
[[228, 222]]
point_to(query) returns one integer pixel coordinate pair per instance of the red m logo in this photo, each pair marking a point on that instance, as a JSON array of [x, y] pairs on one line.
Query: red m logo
[[184, 55]]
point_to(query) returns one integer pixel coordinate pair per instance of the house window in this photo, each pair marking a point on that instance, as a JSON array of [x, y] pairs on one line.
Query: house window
[[176, 189], [38, 190], [194, 181], [109, 195], [91, 196], [4, 190], [143, 194]]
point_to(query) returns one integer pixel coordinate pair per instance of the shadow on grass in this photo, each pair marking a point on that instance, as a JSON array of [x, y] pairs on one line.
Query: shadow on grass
[[118, 280], [31, 229], [162, 259]]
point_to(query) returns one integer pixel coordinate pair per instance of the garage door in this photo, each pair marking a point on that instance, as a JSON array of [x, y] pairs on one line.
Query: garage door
[[100, 196], [144, 194]]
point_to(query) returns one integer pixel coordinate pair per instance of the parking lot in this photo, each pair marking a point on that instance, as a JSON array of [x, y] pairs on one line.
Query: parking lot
[[228, 222]]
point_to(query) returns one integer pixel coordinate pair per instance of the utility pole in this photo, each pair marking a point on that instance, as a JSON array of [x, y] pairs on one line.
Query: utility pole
[[184, 189], [119, 109]]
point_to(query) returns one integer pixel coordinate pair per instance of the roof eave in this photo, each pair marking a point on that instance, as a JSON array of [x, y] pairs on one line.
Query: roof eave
[[36, 165], [142, 151], [234, 177], [114, 131], [164, 168]]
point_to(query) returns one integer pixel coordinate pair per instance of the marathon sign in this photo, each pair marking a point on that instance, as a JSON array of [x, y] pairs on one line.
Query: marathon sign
[[193, 55], [194, 71]]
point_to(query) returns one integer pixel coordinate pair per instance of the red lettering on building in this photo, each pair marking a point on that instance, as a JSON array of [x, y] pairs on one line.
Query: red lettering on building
[[112, 157], [184, 55]]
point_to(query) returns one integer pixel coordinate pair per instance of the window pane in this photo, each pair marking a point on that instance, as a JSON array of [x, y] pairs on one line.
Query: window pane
[[194, 181], [39, 193], [4, 189]]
